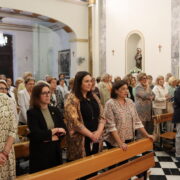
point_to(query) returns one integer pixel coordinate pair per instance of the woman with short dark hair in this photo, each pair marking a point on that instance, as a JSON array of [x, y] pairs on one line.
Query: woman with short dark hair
[[84, 118], [46, 129], [122, 118]]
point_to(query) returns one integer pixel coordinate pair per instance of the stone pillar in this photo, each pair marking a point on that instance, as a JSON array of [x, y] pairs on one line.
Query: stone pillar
[[90, 32], [102, 37]]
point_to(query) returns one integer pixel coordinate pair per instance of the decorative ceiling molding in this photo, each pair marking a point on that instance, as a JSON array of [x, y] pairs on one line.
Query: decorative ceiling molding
[[78, 40], [79, 2], [67, 29], [16, 27], [24, 15], [10, 22]]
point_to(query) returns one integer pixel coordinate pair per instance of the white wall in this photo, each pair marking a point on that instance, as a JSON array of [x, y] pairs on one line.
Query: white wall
[[22, 52], [28, 49], [153, 19], [46, 45]]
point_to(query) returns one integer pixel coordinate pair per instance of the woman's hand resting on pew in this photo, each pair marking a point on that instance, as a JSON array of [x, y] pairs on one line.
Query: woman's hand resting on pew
[[151, 137], [123, 146]]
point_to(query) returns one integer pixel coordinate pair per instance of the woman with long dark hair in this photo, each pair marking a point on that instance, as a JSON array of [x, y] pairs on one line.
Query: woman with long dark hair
[[84, 118], [46, 130]]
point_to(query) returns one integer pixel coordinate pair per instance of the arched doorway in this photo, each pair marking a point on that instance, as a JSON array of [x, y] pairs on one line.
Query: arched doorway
[[37, 42], [134, 41]]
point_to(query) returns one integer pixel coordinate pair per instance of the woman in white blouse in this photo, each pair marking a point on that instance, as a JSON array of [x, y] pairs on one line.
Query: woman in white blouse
[[24, 100], [161, 96]]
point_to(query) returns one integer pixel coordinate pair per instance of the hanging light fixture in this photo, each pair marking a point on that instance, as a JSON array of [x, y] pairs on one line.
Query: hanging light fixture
[[3, 39]]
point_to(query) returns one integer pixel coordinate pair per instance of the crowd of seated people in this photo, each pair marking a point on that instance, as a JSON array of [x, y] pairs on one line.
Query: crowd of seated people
[[87, 110]]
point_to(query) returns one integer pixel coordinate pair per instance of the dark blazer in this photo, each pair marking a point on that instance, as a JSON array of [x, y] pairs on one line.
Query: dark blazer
[[44, 153], [176, 115]]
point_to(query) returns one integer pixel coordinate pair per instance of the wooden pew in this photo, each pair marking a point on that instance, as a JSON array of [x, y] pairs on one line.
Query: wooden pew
[[158, 119], [94, 163], [23, 130], [21, 150]]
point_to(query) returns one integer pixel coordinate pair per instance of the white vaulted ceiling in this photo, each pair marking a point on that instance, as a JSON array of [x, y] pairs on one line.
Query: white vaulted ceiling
[[16, 19]]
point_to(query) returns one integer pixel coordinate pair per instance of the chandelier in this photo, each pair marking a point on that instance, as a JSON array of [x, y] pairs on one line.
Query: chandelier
[[3, 39]]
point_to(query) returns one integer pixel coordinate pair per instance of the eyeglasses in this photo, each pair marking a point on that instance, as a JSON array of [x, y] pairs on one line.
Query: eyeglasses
[[3, 89], [46, 93]]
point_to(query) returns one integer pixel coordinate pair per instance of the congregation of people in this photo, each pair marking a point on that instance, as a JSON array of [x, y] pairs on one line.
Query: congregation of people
[[90, 112]]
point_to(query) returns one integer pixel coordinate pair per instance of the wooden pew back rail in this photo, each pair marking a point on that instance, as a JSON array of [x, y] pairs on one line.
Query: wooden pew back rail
[[90, 164]]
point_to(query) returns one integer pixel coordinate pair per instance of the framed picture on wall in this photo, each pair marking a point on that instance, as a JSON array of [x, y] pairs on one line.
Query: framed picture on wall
[[64, 62]]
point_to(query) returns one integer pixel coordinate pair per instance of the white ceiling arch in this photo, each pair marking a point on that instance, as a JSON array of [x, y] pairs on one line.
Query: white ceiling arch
[[75, 16]]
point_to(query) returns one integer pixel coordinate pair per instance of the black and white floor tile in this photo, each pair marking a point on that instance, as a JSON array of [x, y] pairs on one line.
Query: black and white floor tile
[[166, 167]]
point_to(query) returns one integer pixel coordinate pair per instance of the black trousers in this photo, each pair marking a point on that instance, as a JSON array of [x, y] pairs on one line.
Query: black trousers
[[90, 148]]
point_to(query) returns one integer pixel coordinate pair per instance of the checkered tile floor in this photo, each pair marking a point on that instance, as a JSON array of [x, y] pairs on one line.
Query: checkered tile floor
[[166, 168]]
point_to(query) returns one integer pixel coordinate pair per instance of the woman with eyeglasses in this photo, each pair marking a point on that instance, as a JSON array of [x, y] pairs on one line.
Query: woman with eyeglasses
[[143, 100], [4, 90], [8, 129], [46, 130], [4, 87]]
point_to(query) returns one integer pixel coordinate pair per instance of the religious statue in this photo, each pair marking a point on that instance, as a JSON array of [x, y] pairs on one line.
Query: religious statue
[[138, 58]]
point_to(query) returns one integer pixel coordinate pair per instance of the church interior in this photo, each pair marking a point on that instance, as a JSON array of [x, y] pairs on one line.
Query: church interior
[[90, 89]]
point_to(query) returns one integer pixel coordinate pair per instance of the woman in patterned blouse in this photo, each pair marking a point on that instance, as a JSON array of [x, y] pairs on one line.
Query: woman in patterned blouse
[[122, 118], [8, 130]]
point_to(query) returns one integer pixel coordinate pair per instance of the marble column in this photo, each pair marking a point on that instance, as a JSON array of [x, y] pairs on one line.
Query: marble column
[[102, 37], [175, 37], [90, 33]]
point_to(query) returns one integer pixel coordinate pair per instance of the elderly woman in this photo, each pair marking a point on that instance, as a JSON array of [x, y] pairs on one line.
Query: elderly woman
[[4, 89], [24, 100], [166, 83], [170, 109], [104, 89], [171, 89], [160, 101], [57, 99], [8, 131], [161, 96], [122, 118], [128, 81], [83, 117], [143, 101], [17, 83]]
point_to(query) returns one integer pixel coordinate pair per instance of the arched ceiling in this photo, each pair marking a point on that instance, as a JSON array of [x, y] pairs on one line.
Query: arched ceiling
[[12, 18]]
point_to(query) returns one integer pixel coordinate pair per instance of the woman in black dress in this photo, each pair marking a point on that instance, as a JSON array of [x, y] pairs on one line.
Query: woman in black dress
[[46, 130]]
